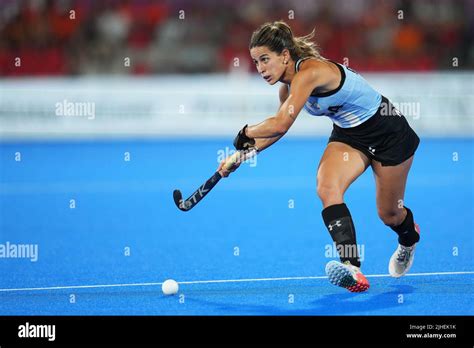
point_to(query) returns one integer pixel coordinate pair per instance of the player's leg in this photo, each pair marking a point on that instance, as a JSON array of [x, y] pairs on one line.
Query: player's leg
[[340, 165], [390, 191]]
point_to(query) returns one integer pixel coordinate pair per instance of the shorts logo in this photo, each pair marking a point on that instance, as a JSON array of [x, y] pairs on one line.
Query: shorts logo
[[372, 150]]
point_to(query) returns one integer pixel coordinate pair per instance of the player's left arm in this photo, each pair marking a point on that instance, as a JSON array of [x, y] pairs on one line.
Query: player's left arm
[[302, 85]]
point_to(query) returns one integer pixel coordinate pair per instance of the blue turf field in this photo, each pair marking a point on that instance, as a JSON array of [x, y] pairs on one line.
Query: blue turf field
[[128, 204]]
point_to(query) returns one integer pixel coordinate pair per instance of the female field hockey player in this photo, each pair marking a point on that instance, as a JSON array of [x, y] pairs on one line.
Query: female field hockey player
[[367, 131]]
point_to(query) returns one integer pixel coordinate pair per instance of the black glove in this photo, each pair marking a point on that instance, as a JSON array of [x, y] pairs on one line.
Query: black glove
[[243, 142]]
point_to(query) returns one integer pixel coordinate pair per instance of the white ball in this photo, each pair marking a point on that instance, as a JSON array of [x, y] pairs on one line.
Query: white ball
[[169, 287]]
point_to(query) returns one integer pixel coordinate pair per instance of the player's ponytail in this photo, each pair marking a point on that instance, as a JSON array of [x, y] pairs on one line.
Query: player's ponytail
[[278, 35], [304, 47]]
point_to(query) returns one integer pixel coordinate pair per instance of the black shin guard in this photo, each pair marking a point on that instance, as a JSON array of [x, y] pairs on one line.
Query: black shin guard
[[407, 235], [338, 221]]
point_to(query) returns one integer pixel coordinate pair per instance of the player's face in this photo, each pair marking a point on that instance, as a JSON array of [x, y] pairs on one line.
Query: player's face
[[269, 64]]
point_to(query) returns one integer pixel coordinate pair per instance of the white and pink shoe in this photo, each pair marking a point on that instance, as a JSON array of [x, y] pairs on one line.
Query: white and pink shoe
[[402, 259], [346, 276]]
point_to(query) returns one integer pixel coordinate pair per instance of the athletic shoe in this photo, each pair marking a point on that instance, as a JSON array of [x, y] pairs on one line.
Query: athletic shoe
[[402, 259], [346, 276]]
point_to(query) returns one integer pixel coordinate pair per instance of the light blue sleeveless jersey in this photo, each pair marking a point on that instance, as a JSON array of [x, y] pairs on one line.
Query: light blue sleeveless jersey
[[349, 105]]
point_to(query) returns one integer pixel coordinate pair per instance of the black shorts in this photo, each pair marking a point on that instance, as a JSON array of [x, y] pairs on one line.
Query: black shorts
[[385, 137]]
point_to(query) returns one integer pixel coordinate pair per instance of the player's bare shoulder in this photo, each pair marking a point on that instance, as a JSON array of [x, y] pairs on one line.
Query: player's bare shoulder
[[321, 73], [311, 73]]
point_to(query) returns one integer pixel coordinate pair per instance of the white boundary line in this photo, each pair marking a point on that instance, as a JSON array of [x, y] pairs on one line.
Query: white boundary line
[[221, 281]]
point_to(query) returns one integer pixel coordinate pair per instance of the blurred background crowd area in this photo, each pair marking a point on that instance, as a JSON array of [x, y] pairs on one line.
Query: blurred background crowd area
[[77, 37]]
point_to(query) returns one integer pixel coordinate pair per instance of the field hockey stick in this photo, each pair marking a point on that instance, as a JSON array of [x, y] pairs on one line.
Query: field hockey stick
[[203, 190]]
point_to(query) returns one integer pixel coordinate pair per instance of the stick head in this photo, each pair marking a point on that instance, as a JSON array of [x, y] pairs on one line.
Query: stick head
[[178, 200]]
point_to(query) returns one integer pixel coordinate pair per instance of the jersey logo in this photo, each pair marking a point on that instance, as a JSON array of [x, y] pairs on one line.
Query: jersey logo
[[314, 105]]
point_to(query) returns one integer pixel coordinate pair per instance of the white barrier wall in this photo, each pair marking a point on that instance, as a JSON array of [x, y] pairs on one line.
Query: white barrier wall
[[209, 105]]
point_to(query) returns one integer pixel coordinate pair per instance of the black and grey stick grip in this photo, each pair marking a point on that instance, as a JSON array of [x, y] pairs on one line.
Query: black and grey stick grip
[[201, 192]]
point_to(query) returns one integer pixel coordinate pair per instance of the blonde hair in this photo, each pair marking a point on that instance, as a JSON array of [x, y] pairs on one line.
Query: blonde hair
[[278, 35]]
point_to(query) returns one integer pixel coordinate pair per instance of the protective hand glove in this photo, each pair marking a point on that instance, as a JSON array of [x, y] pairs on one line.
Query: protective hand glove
[[242, 141]]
